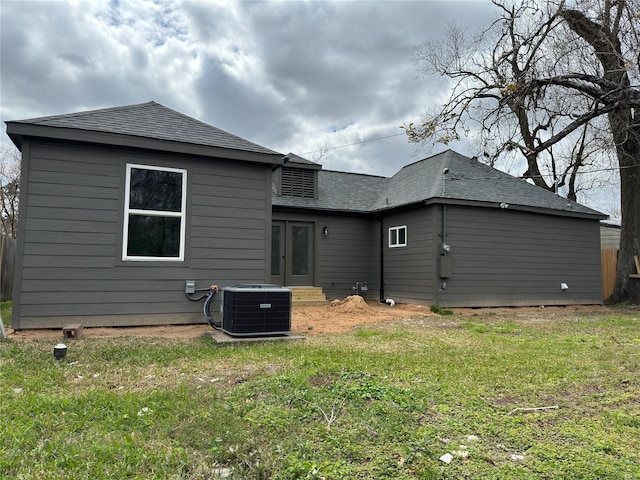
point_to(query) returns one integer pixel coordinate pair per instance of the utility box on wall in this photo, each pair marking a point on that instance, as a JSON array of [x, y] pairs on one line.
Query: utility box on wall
[[257, 309], [446, 266]]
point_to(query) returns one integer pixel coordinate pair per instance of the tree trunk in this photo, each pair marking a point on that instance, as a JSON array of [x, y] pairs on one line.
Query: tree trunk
[[629, 160], [623, 124]]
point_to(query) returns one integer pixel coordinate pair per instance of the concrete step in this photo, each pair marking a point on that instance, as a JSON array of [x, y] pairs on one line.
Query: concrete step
[[307, 295]]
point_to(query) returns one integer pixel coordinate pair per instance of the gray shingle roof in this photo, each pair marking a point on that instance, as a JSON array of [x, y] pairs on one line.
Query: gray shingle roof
[[339, 191], [423, 181], [298, 160], [469, 179], [149, 120]]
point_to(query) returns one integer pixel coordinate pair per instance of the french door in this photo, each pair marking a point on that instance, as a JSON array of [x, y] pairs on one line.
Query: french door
[[292, 253]]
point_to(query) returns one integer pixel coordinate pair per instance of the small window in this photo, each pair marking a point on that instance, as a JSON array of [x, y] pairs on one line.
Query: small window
[[154, 213], [398, 236]]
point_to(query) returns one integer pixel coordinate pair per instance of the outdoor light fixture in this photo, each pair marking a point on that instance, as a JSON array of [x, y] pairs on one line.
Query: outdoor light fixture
[[564, 286], [504, 205], [325, 231]]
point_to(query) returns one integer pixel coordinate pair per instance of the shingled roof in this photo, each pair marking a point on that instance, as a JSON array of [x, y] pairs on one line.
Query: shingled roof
[[138, 125], [466, 181], [339, 191], [301, 162]]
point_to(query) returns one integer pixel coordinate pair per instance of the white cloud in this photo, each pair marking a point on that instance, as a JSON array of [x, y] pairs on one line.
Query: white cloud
[[292, 76]]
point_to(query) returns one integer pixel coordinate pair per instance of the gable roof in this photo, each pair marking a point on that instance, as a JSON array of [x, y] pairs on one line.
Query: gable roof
[[466, 181], [145, 125], [299, 162]]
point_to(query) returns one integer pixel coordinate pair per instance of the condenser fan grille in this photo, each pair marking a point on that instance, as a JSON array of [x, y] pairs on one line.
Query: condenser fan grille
[[251, 310]]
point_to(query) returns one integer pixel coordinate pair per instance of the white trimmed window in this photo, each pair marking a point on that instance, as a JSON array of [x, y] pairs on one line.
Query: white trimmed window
[[398, 236], [154, 213]]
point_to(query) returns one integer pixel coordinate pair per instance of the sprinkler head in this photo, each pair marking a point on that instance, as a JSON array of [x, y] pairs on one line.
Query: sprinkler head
[[59, 351]]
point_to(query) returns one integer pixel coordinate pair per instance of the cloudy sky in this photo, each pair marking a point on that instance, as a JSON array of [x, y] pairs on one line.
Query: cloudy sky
[[330, 81]]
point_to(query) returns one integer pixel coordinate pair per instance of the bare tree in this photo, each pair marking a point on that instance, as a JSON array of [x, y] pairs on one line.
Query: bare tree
[[9, 189], [556, 82], [321, 153]]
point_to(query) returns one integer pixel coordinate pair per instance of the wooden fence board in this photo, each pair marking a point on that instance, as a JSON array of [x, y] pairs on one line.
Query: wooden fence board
[[609, 268], [7, 265]]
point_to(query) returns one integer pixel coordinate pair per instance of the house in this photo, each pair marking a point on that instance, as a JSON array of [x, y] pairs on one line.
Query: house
[[450, 231], [121, 206]]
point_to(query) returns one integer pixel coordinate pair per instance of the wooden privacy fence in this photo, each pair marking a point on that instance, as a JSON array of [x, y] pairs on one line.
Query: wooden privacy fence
[[7, 265], [609, 264]]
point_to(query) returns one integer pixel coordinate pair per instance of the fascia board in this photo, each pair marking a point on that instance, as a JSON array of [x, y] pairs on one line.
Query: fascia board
[[17, 131]]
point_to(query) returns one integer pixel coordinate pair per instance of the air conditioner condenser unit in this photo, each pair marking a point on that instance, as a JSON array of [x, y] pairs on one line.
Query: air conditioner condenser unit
[[256, 309]]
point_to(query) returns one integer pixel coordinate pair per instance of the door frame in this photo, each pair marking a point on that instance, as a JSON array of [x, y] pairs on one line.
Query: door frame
[[285, 251]]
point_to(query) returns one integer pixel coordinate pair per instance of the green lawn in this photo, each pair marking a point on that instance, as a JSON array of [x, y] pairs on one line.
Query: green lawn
[[5, 312], [382, 402]]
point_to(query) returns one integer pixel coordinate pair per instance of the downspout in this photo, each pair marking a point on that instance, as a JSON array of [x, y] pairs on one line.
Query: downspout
[[444, 224], [444, 212], [382, 299], [389, 301], [443, 231]]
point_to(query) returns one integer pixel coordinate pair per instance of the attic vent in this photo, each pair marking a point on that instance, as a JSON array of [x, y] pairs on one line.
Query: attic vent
[[298, 182]]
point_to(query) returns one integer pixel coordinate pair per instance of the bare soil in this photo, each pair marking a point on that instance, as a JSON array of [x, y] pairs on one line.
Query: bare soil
[[333, 317]]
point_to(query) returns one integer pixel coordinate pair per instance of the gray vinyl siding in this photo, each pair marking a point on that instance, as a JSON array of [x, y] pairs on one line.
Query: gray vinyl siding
[[511, 258], [349, 254], [71, 237], [409, 272], [609, 237]]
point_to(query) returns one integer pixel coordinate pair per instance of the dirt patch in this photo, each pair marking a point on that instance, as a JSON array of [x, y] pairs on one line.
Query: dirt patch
[[342, 315], [333, 317], [164, 331]]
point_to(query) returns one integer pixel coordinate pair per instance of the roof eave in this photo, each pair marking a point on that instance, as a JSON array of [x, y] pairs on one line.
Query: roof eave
[[303, 166], [277, 206], [17, 131], [520, 208], [449, 201]]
